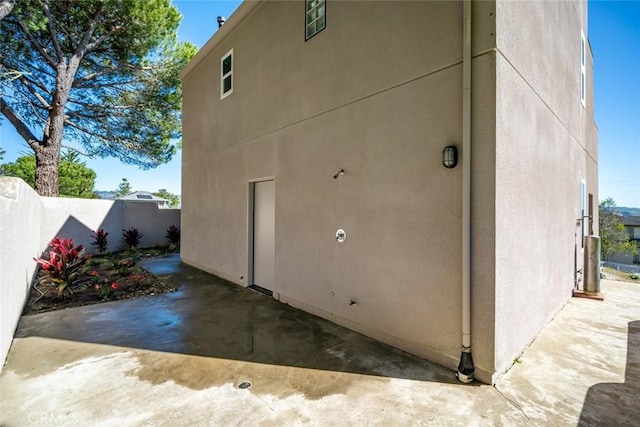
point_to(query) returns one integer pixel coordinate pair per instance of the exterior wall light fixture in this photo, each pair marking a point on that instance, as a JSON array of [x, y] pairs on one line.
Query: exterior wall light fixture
[[450, 156]]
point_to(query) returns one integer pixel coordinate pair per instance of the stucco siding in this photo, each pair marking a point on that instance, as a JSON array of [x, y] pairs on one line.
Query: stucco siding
[[541, 40], [401, 260], [543, 137], [275, 67], [298, 114], [483, 212], [378, 93]]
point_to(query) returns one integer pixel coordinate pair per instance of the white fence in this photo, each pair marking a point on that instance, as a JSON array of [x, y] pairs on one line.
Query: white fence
[[622, 267], [29, 222]]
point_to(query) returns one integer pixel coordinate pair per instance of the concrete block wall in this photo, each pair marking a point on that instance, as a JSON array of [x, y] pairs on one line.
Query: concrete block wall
[[29, 222]]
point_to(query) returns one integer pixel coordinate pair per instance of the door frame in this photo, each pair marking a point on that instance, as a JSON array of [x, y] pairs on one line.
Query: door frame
[[251, 185]]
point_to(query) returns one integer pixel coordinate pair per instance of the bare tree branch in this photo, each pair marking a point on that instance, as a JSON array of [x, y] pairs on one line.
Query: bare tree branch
[[51, 24], [37, 46], [116, 84], [10, 75], [19, 124], [111, 107], [82, 80], [82, 47], [35, 109], [85, 130], [35, 80], [103, 37], [84, 115], [28, 84], [25, 67], [68, 147]]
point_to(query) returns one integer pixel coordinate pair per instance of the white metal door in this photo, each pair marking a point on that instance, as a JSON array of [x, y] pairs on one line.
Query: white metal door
[[263, 234]]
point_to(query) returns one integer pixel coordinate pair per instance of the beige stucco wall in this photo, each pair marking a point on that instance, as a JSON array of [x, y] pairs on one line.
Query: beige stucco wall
[[483, 208], [298, 114], [546, 143]]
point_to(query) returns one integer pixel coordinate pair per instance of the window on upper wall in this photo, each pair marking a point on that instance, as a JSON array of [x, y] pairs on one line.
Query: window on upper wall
[[583, 77], [315, 17], [226, 75]]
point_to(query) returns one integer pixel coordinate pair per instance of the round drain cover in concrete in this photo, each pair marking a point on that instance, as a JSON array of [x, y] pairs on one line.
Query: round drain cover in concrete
[[244, 384]]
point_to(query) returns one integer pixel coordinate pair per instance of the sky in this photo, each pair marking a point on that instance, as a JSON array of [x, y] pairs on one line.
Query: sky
[[614, 35]]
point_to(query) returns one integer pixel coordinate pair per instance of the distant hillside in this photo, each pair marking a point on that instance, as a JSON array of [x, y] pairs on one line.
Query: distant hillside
[[624, 211], [105, 194]]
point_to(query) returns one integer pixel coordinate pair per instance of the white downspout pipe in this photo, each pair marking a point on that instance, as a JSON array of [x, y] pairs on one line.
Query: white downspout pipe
[[465, 367]]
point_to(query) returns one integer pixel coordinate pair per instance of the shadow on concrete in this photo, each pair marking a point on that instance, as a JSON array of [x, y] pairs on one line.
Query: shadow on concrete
[[211, 317], [609, 404]]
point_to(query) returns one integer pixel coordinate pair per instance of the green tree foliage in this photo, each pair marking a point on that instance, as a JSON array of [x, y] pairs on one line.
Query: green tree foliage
[[24, 168], [124, 188], [174, 200], [99, 73], [613, 237], [76, 179]]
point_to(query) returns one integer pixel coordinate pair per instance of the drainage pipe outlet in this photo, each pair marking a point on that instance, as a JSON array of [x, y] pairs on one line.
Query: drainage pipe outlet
[[465, 367]]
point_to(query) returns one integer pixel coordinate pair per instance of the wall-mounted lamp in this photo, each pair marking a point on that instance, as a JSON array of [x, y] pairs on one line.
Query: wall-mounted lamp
[[450, 156], [221, 21], [339, 174]]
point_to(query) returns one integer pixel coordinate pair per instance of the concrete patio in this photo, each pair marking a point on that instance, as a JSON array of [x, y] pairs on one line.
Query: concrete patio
[[185, 359]]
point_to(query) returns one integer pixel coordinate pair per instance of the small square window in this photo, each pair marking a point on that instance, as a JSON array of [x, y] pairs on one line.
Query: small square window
[[226, 75], [314, 17]]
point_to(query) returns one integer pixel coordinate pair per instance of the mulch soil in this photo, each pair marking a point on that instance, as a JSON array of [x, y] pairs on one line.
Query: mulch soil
[[103, 278]]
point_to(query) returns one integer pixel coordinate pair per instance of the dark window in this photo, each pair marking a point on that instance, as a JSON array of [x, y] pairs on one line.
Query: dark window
[[315, 20], [226, 80]]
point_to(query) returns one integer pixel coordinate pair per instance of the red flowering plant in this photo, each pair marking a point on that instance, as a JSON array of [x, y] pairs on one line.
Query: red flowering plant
[[106, 291], [95, 276], [60, 265], [136, 279], [124, 266]]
